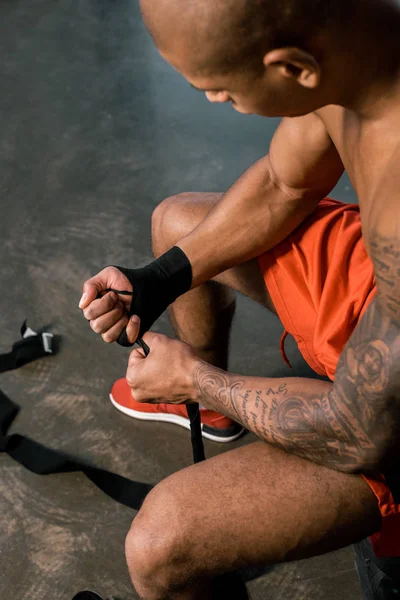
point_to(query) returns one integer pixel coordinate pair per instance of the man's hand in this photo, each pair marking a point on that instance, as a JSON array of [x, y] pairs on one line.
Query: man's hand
[[166, 374], [145, 292], [108, 315]]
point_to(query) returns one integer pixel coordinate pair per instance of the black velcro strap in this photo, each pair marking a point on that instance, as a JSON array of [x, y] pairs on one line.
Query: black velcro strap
[[193, 411], [43, 461], [31, 347]]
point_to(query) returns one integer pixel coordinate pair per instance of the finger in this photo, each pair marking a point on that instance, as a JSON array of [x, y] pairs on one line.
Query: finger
[[113, 333], [93, 287], [150, 337], [132, 329], [136, 357], [107, 321], [101, 306], [131, 374], [90, 292]]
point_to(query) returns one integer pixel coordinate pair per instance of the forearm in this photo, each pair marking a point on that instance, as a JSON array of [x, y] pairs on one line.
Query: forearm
[[300, 416], [352, 425], [253, 216]]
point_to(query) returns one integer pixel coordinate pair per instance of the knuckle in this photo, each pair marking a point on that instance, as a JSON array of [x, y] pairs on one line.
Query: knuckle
[[120, 309], [104, 272], [137, 396], [132, 357], [87, 313], [156, 339], [110, 300], [87, 284], [95, 326]]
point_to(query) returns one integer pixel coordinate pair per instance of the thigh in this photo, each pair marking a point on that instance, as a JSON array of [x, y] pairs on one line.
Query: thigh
[[248, 280], [257, 505]]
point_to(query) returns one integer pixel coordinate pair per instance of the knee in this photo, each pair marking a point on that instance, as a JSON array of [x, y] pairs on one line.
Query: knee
[[173, 219], [145, 557], [154, 546]]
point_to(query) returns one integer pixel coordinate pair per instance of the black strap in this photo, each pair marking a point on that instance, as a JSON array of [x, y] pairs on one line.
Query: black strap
[[193, 411], [42, 460], [31, 347]]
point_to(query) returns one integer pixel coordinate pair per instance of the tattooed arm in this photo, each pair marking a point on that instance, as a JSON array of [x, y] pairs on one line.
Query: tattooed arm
[[352, 425]]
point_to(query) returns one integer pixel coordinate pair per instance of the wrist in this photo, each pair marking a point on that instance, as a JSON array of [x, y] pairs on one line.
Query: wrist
[[156, 286], [194, 391], [198, 382]]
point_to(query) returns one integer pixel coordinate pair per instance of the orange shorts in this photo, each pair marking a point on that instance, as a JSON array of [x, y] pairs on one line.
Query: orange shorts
[[321, 282]]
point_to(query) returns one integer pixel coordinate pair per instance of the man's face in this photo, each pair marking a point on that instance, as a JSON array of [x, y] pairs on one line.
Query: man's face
[[252, 98], [265, 93], [242, 93]]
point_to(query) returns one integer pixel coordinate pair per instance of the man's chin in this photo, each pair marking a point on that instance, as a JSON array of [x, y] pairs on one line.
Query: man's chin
[[270, 113], [242, 111]]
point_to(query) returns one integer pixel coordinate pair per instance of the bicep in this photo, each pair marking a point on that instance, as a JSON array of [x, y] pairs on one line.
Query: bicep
[[303, 157]]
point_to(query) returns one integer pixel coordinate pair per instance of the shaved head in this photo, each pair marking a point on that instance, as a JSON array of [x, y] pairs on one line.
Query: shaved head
[[222, 35], [277, 57]]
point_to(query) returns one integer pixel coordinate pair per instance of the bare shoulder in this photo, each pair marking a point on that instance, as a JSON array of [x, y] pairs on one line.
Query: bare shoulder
[[310, 125], [332, 116], [303, 156]]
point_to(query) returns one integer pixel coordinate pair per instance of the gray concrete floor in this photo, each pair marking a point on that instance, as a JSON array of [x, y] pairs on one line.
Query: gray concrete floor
[[95, 131]]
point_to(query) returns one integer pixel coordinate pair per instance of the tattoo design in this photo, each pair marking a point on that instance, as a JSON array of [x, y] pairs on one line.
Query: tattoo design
[[349, 425], [385, 253], [213, 385]]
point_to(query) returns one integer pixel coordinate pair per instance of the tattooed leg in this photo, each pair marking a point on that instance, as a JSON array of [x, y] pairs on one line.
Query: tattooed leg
[[251, 506], [203, 316]]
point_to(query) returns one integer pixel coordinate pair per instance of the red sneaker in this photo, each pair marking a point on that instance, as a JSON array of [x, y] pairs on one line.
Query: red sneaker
[[214, 426]]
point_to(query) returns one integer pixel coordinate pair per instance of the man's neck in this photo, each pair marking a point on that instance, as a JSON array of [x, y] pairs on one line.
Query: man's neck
[[369, 67]]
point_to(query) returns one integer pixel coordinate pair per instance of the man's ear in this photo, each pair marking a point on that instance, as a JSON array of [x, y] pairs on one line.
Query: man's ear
[[293, 63]]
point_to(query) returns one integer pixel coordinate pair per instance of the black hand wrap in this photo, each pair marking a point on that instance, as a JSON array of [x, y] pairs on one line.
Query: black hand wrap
[[156, 286]]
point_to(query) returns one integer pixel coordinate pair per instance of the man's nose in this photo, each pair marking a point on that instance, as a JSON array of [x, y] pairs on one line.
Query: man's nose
[[219, 97]]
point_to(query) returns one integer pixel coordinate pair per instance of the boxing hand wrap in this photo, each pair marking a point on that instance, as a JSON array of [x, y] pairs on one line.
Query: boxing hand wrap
[[156, 286]]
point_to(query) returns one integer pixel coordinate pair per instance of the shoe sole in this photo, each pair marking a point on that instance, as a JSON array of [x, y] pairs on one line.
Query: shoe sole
[[210, 433]]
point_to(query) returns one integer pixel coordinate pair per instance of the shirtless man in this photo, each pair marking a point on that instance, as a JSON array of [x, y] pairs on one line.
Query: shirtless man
[[312, 483]]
